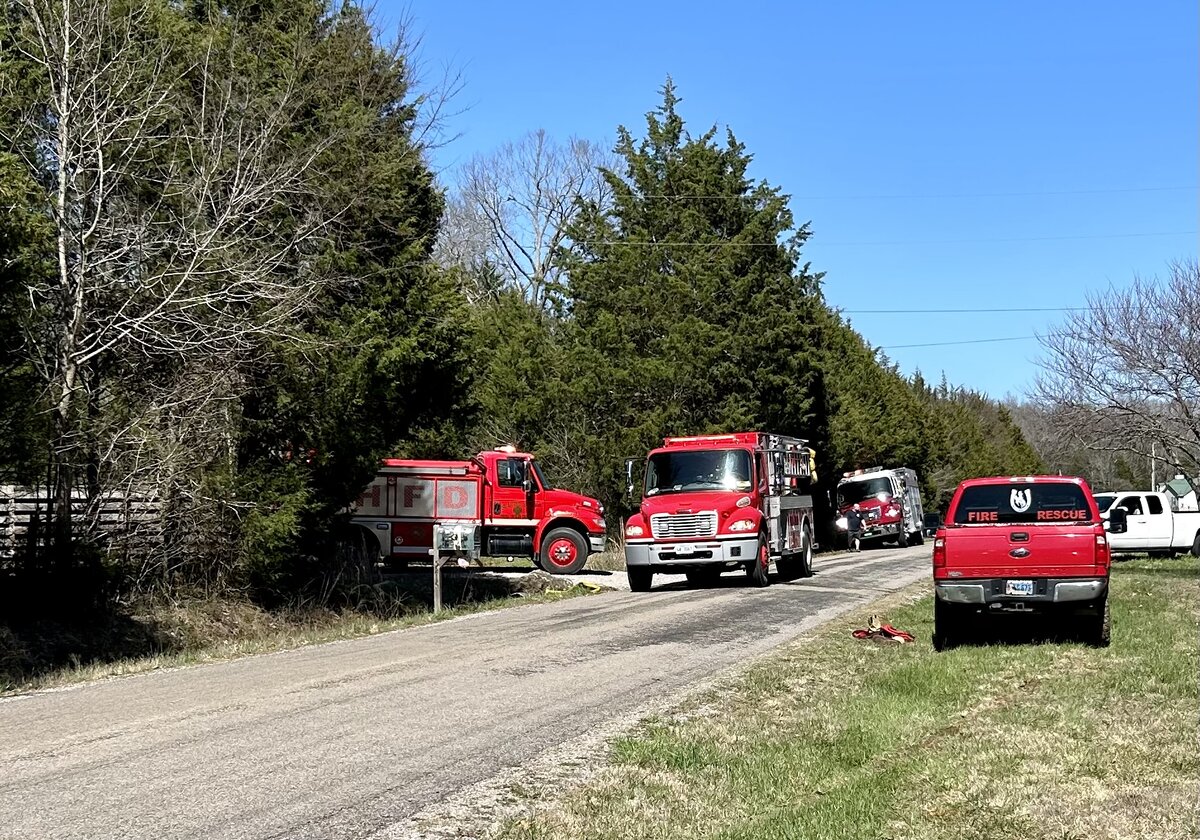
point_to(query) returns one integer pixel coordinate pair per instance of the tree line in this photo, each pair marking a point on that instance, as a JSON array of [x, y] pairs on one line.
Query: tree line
[[230, 281]]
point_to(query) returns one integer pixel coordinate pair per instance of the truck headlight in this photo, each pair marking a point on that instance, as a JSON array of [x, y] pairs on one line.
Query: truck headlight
[[742, 525], [634, 530]]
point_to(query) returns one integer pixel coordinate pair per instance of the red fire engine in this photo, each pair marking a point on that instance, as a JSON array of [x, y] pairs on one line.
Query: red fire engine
[[889, 502], [718, 502], [503, 492]]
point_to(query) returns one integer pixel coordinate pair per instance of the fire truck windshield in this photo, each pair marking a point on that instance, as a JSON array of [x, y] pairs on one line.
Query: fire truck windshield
[[853, 492], [690, 470], [542, 480]]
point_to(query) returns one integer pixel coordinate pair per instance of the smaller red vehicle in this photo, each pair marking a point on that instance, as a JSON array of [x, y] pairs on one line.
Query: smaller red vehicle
[[1022, 545]]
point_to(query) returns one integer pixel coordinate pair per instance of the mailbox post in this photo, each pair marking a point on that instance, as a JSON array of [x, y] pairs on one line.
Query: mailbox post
[[451, 541]]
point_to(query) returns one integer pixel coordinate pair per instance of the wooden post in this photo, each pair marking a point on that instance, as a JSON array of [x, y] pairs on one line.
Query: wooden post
[[437, 569]]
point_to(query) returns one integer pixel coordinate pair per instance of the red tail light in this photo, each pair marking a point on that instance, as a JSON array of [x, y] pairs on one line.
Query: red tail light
[[939, 552], [1103, 555]]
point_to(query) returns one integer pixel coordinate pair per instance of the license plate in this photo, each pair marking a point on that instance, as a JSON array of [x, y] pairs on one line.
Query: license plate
[[1018, 587], [682, 550]]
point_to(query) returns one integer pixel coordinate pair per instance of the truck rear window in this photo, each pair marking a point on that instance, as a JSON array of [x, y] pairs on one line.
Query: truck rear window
[[1022, 504]]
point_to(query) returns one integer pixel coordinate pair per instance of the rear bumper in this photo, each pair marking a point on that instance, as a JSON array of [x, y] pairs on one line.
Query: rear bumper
[[707, 553], [1045, 591]]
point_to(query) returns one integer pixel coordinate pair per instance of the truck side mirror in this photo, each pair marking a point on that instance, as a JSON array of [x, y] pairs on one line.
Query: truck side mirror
[[629, 476], [1118, 521]]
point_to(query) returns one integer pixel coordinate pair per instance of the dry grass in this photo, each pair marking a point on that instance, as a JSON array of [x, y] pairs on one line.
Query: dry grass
[[610, 560], [166, 635], [836, 738]]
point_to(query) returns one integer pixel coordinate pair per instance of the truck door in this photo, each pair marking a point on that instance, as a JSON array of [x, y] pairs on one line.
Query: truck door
[[1139, 523], [1159, 525], [510, 503]]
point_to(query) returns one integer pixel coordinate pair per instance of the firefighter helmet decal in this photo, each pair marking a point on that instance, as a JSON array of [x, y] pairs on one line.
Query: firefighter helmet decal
[[1020, 499]]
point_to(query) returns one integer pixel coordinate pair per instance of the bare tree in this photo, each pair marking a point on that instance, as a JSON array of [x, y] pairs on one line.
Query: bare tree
[[1124, 375], [506, 223], [1058, 446], [164, 183]]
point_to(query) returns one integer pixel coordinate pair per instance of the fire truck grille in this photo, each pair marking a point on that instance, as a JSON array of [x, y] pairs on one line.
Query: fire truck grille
[[677, 525]]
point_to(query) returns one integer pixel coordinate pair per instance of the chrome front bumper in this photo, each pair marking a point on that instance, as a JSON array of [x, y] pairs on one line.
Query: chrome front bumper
[[703, 553], [870, 531], [596, 543]]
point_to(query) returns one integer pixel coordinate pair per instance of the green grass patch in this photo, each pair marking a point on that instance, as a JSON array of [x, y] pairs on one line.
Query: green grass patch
[[839, 738]]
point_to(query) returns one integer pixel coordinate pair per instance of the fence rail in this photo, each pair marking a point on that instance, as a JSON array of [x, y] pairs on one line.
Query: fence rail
[[121, 522]]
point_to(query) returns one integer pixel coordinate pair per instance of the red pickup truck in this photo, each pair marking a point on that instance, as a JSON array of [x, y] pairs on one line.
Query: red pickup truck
[[1022, 545]]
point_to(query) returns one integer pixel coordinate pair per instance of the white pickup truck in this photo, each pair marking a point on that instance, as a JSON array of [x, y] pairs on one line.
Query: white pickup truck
[[1152, 525]]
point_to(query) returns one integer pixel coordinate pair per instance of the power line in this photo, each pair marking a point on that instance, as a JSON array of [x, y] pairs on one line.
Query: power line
[[1112, 191], [958, 311], [1012, 239], [729, 243], [969, 341]]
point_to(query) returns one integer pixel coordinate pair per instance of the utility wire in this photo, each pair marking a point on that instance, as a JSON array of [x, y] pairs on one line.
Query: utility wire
[[732, 243], [1114, 191], [1011, 239], [969, 341], [957, 311]]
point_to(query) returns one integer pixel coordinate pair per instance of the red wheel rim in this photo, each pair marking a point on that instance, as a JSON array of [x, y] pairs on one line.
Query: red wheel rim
[[562, 552], [764, 556]]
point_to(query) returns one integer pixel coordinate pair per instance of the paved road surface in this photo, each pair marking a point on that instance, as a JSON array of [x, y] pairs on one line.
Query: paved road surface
[[346, 739]]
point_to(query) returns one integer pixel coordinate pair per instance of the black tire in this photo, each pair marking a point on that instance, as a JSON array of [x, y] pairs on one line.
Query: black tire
[[640, 578], [918, 538], [703, 578], [564, 552], [759, 572], [902, 537], [803, 561], [947, 625], [1196, 546], [1101, 625]]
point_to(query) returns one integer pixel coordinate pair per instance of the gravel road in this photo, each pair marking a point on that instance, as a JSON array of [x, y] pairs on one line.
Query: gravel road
[[347, 739]]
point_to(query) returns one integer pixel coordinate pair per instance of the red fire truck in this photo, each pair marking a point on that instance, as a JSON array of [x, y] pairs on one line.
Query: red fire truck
[[889, 501], [719, 502], [503, 492]]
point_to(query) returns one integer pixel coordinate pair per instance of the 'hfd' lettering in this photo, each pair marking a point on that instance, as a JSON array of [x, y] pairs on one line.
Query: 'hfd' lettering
[[453, 497], [412, 492]]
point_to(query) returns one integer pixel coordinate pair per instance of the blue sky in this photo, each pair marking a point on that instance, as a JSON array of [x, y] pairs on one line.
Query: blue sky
[[948, 155]]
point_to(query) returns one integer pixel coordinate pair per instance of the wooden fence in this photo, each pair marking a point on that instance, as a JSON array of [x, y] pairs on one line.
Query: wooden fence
[[121, 523]]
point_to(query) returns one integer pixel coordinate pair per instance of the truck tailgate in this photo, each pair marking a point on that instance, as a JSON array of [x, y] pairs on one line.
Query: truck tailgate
[[1021, 550]]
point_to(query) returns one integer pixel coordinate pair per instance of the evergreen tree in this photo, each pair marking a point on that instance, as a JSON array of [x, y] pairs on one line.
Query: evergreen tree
[[690, 308]]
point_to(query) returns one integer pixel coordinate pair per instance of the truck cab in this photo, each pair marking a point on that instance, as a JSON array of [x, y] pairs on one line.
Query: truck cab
[[889, 502], [1022, 545], [711, 503], [504, 492], [1152, 525]]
